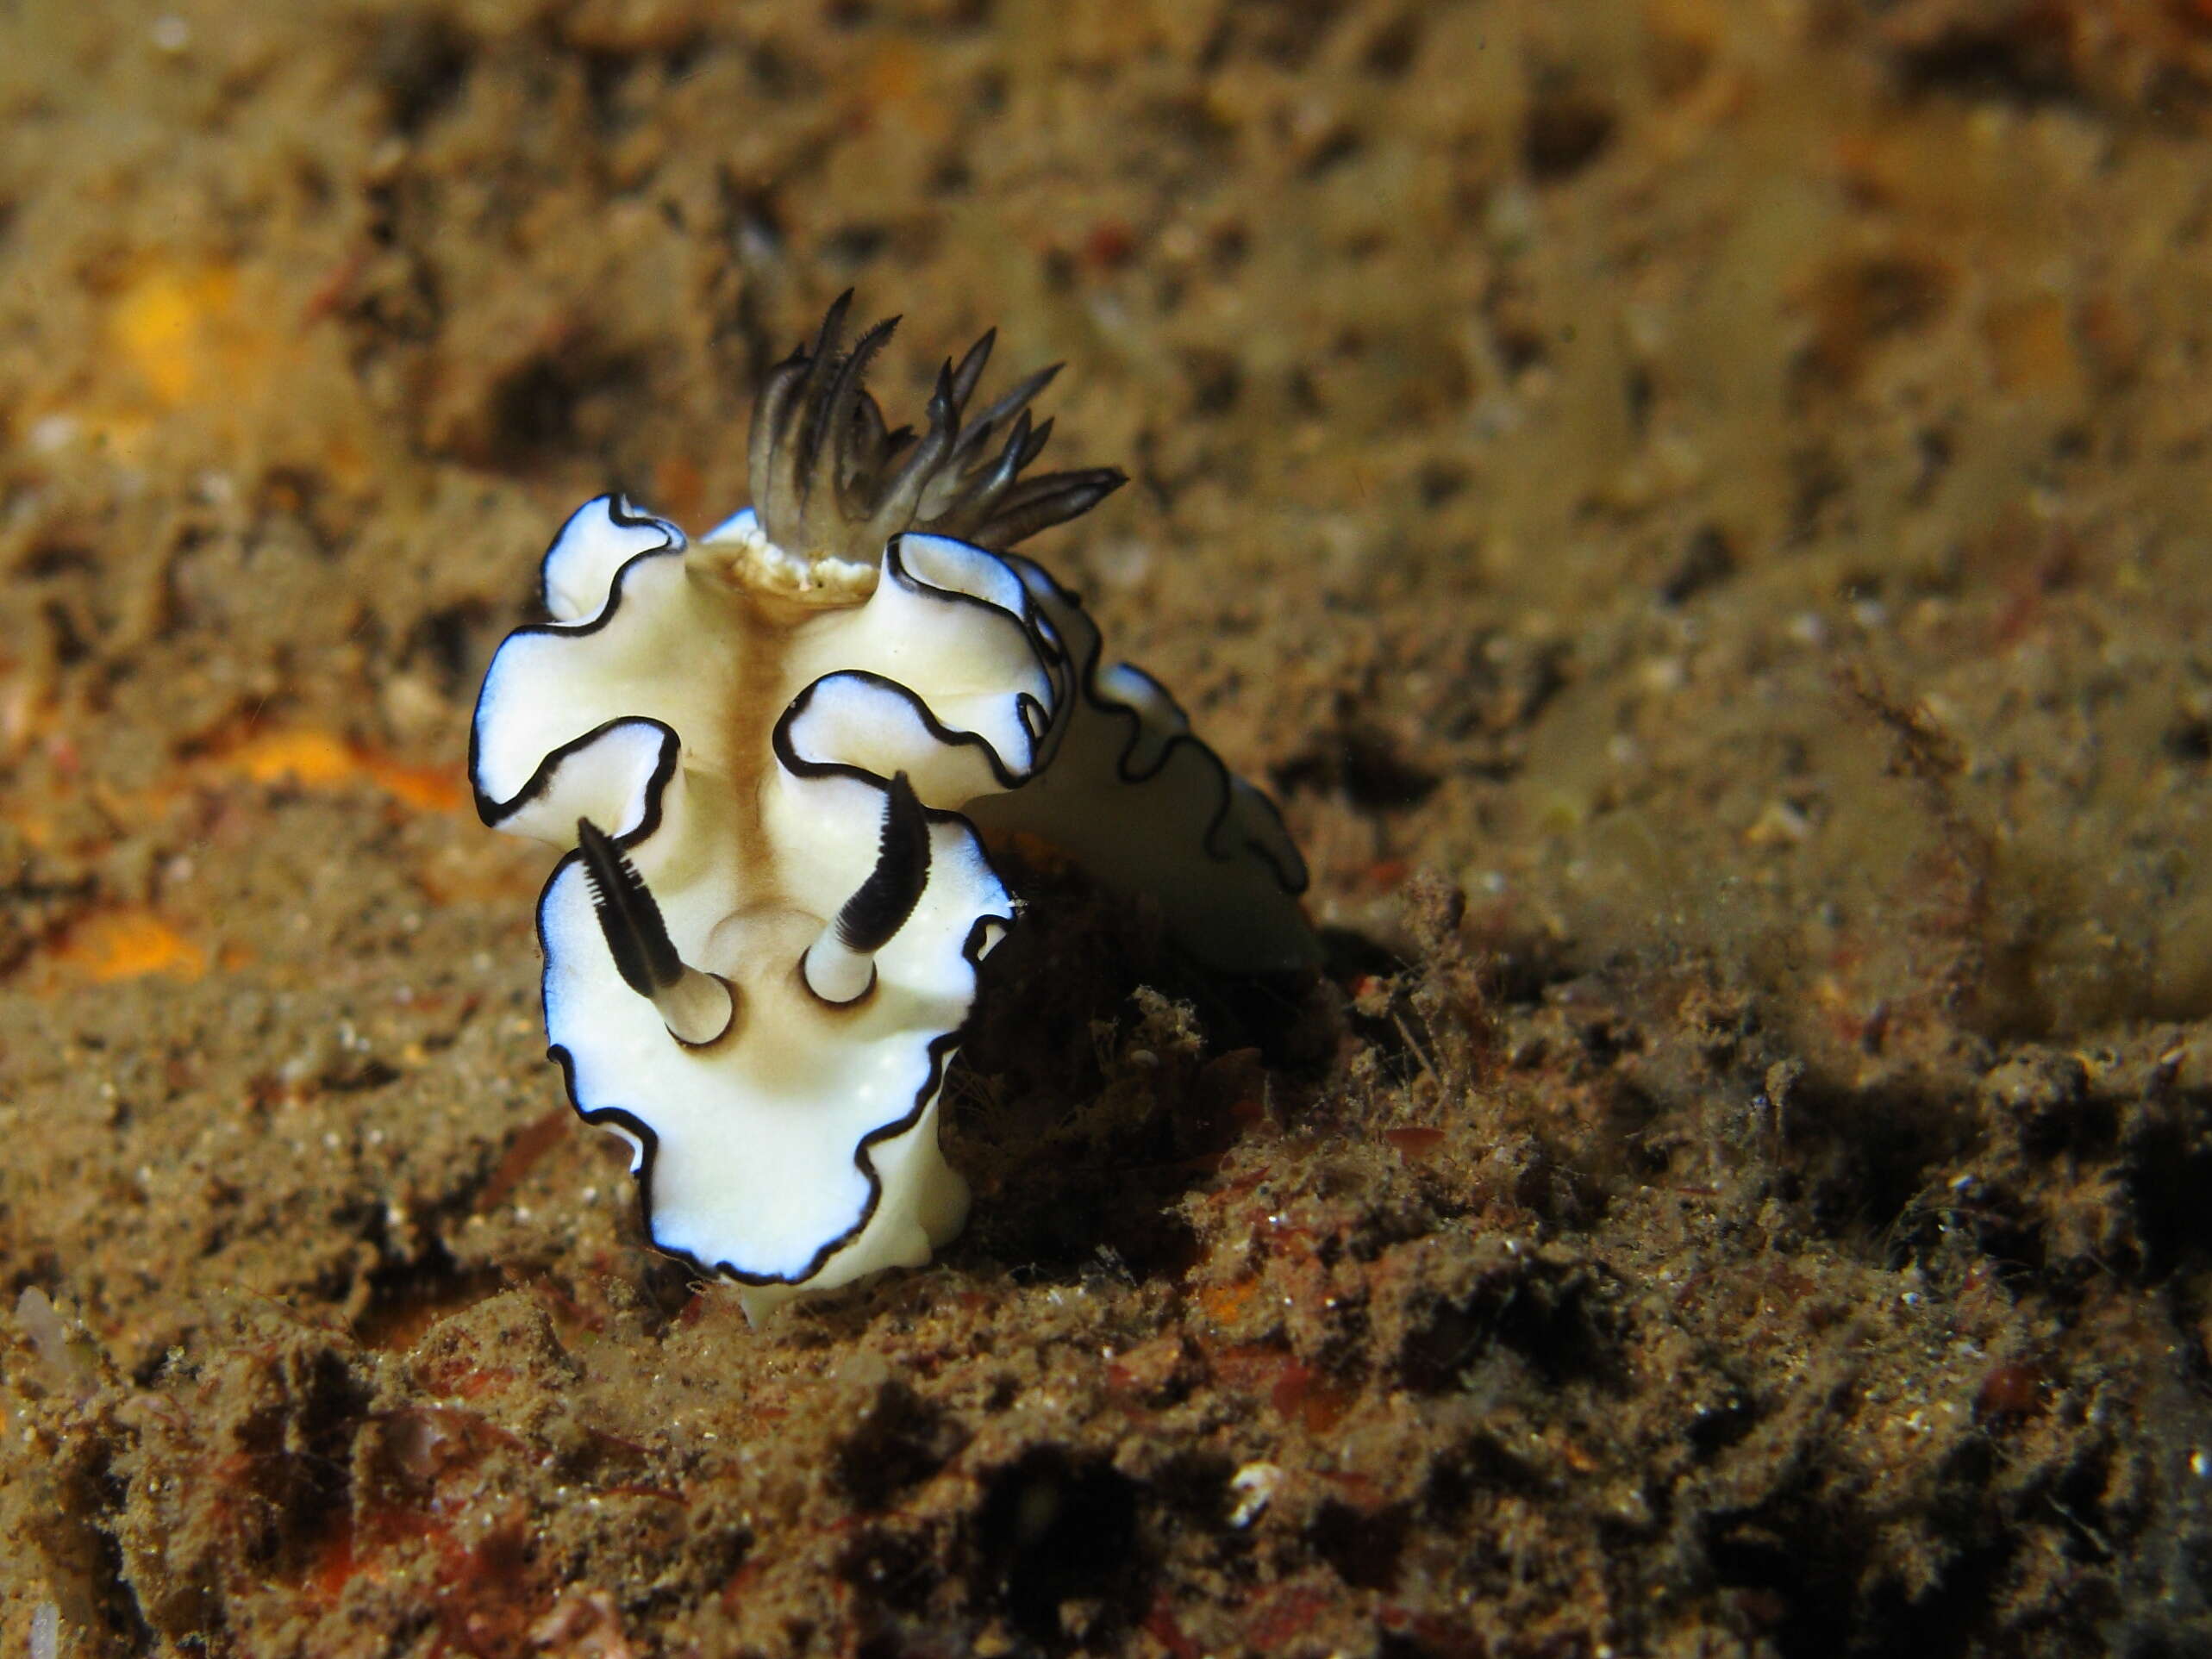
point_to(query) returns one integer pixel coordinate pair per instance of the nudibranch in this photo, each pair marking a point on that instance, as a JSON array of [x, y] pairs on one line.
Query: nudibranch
[[772, 758]]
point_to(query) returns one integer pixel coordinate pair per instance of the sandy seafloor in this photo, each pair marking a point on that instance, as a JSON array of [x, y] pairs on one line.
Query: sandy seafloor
[[1702, 513]]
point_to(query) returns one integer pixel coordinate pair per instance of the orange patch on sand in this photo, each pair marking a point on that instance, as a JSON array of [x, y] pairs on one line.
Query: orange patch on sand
[[224, 343], [184, 336], [129, 945], [320, 760], [1224, 1304], [183, 331], [132, 942]]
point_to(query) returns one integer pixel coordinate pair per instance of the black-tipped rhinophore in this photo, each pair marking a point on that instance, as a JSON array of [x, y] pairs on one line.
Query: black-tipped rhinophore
[[882, 904], [636, 936], [830, 476]]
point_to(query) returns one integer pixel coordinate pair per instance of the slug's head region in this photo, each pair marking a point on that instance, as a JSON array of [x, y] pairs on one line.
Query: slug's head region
[[833, 482]]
